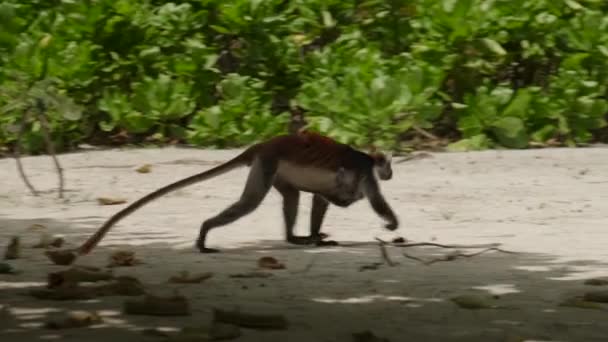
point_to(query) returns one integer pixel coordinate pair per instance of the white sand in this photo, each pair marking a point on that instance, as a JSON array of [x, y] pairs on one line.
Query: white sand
[[549, 205]]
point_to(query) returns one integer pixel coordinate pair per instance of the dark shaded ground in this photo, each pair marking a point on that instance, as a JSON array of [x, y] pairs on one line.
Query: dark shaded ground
[[324, 295]]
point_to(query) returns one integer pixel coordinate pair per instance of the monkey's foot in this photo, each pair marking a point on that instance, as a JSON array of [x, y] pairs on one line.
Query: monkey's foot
[[299, 240], [322, 243]]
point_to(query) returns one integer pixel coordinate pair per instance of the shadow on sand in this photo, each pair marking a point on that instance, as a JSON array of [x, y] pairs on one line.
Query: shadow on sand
[[323, 292]]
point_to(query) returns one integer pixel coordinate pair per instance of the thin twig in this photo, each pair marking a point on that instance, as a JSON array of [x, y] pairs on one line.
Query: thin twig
[[425, 133], [432, 244], [310, 264], [413, 258], [17, 152], [384, 253], [50, 147], [414, 156], [451, 257]]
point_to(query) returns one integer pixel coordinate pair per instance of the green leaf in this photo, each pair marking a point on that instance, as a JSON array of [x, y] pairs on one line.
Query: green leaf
[[138, 123], [511, 132], [519, 105], [494, 46], [154, 50], [220, 29], [328, 21], [573, 4], [474, 143], [545, 133], [470, 126]]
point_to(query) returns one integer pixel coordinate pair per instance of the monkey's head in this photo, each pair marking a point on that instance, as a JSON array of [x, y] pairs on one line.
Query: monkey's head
[[382, 165]]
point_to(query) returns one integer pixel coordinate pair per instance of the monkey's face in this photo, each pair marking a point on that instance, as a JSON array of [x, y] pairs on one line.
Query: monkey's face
[[382, 166]]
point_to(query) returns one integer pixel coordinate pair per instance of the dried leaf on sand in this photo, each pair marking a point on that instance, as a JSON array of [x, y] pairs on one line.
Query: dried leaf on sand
[[596, 282], [250, 320], [13, 250], [123, 258], [253, 274], [368, 336], [77, 274], [61, 257], [120, 286], [146, 168], [152, 305], [270, 263], [74, 319], [473, 302], [581, 303], [597, 296], [111, 200], [186, 278]]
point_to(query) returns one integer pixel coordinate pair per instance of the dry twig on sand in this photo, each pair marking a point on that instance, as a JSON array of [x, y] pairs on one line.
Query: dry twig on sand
[[384, 253], [449, 257], [454, 256]]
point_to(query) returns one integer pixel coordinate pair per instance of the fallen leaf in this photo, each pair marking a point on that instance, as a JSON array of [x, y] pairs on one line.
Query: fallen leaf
[[185, 278], [250, 320], [6, 268], [46, 241], [77, 274], [36, 227], [270, 263], [175, 305], [146, 168], [368, 336], [61, 257], [155, 332], [13, 249], [123, 258], [578, 302], [472, 302], [74, 319], [596, 282], [111, 200], [597, 296], [370, 267], [217, 332], [251, 275]]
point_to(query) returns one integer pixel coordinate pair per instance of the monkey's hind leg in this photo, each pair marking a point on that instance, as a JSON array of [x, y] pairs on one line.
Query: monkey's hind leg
[[258, 184]]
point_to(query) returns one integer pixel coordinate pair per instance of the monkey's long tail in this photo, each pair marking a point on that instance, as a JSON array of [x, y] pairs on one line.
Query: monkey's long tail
[[240, 160]]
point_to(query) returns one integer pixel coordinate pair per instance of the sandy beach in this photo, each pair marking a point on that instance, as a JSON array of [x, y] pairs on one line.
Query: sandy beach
[[549, 206]]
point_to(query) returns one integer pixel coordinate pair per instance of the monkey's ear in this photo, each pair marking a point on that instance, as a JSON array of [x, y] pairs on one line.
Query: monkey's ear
[[372, 149]]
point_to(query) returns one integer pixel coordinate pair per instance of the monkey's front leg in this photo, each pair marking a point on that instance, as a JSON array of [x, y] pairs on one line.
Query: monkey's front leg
[[291, 200], [317, 214]]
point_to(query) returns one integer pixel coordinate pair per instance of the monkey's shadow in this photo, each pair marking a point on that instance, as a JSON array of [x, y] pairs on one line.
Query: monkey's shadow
[[325, 293]]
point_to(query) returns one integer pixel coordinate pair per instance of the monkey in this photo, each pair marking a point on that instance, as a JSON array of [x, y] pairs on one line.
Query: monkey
[[305, 161]]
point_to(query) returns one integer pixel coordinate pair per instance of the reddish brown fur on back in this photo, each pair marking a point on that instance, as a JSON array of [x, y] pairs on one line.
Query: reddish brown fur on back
[[311, 149]]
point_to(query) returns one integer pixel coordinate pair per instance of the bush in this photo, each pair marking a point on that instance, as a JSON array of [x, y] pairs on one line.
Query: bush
[[481, 74]]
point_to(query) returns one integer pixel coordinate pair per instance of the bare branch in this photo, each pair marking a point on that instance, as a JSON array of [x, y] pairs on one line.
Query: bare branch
[[17, 152], [50, 147], [384, 253], [454, 256]]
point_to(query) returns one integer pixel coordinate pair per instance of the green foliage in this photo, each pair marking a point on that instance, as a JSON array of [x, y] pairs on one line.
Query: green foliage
[[241, 116], [358, 96], [483, 74]]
